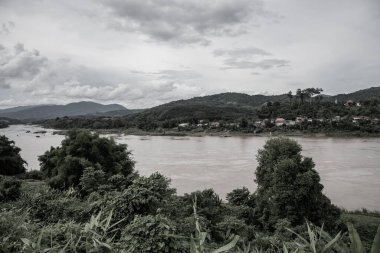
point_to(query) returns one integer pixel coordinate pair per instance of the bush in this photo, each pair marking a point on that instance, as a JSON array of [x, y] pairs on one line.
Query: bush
[[54, 206], [33, 174], [151, 234], [143, 197], [9, 189], [11, 162]]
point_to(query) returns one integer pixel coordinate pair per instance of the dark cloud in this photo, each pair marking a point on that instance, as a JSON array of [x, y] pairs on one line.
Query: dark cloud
[[242, 52], [249, 58], [180, 21], [6, 27], [262, 64]]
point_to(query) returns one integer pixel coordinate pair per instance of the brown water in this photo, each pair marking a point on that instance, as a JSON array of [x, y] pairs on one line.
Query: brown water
[[349, 167]]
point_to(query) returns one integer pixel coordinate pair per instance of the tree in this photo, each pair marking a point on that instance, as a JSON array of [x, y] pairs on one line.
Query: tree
[[244, 123], [240, 197], [65, 165], [11, 162], [290, 96], [289, 187]]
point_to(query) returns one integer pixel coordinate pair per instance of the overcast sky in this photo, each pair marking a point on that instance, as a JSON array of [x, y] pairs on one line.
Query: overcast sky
[[141, 53]]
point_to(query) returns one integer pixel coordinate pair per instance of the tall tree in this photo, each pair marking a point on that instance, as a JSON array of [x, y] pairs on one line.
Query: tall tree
[[11, 162], [289, 187]]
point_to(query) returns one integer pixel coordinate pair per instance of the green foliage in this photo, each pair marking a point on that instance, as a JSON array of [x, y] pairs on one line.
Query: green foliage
[[143, 197], [151, 234], [318, 241], [54, 206], [9, 189], [240, 197], [66, 164], [33, 174], [208, 203], [14, 225], [97, 235], [356, 245], [198, 242], [11, 162], [289, 187]]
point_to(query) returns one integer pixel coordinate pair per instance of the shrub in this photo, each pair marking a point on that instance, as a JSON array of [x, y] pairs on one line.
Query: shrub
[[151, 234], [54, 206], [33, 174], [143, 197], [9, 189]]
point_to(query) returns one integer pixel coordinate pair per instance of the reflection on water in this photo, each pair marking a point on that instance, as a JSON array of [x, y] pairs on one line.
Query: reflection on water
[[349, 167]]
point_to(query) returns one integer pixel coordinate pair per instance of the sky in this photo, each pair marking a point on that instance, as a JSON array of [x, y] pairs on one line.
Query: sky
[[142, 53]]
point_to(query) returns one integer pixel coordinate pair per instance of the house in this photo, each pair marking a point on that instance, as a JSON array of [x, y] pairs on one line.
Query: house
[[280, 122]]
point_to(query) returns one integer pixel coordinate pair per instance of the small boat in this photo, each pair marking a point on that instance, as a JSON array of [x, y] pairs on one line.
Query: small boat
[[37, 136]]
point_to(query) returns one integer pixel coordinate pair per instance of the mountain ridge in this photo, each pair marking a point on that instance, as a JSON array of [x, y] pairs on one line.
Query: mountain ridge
[[52, 111]]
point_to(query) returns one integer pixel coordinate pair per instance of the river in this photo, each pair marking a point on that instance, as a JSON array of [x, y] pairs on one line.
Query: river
[[349, 167]]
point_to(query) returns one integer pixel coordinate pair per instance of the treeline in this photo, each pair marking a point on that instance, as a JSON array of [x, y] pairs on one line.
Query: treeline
[[87, 197]]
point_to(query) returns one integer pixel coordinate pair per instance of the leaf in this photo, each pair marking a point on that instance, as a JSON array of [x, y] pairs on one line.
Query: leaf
[[356, 244], [285, 250], [376, 242], [26, 241], [228, 246], [193, 247], [312, 238], [332, 242]]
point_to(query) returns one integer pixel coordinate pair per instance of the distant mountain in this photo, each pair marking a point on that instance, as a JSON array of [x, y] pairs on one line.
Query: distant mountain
[[52, 111], [365, 94]]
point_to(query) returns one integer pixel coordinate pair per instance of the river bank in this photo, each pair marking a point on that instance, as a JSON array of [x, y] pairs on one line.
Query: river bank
[[174, 133]]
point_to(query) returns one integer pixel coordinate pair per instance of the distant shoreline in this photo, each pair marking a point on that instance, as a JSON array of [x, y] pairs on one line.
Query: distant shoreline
[[173, 133]]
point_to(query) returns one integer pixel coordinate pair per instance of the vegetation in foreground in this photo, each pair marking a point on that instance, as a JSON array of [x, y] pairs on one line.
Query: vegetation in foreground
[[87, 197]]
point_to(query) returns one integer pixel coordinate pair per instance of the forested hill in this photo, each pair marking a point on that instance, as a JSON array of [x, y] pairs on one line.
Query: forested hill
[[232, 105], [228, 99], [73, 109], [218, 106], [360, 95]]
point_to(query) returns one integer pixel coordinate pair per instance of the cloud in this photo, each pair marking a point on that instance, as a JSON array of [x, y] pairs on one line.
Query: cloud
[[242, 52], [44, 79], [6, 27], [183, 21], [262, 64], [249, 58], [19, 64]]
